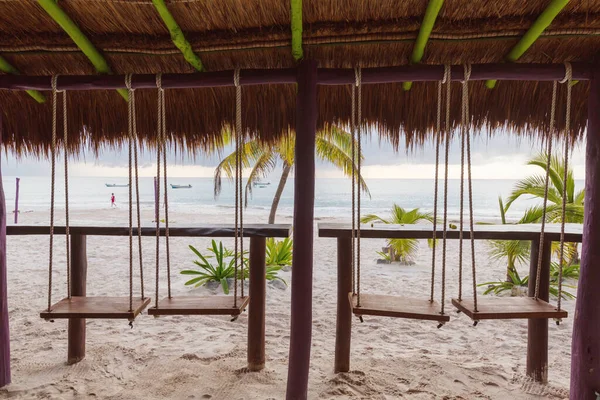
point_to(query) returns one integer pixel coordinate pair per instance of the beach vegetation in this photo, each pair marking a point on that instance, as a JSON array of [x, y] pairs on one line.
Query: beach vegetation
[[405, 250], [519, 286], [333, 146], [534, 187], [218, 265], [279, 252]]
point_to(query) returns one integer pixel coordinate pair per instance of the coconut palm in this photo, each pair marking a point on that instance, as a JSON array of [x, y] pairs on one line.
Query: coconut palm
[[534, 186], [515, 252], [333, 145], [405, 249]]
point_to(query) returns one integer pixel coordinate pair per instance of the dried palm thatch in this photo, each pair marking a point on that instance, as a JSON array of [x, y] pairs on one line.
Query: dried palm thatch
[[256, 34]]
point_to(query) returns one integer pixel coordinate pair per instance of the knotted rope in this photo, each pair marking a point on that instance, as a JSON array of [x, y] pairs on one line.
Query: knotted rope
[[52, 189]]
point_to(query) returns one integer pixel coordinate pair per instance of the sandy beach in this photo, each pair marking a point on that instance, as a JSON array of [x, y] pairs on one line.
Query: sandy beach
[[204, 357]]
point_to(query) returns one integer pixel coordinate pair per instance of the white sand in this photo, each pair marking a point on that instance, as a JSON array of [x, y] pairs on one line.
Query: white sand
[[203, 357]]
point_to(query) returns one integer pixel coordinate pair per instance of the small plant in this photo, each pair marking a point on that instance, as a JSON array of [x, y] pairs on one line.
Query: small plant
[[513, 284], [222, 269], [219, 266], [279, 253], [569, 271], [516, 283]]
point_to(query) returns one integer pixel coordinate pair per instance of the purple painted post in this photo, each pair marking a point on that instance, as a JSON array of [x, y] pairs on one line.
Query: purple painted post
[[585, 349], [302, 264], [4, 331], [18, 180]]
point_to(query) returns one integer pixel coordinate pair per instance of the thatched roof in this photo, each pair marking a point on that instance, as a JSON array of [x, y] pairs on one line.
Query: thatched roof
[[256, 34]]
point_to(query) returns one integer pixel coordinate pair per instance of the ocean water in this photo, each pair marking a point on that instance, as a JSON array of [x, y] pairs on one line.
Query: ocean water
[[332, 196]]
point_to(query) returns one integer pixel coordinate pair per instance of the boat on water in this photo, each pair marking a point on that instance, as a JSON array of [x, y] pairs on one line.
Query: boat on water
[[261, 184], [116, 185], [180, 186]]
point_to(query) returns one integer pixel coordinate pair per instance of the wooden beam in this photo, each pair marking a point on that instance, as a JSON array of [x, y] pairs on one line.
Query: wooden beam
[[7, 67], [296, 24], [304, 200], [76, 328], [177, 35], [585, 349], [326, 76], [433, 9], [343, 323], [257, 304], [196, 230], [534, 32], [71, 28], [537, 328]]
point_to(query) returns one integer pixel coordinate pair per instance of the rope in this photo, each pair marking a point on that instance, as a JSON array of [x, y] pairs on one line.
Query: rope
[[130, 128], [358, 76], [568, 78], [435, 186], [448, 80], [137, 188], [53, 180], [163, 141], [465, 104], [462, 194], [238, 128], [159, 125], [538, 276], [353, 133], [67, 230]]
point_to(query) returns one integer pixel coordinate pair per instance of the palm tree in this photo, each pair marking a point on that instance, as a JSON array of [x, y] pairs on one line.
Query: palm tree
[[534, 186], [515, 252], [333, 145], [404, 249]]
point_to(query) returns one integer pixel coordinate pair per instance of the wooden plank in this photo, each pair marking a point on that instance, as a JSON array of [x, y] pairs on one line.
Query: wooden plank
[[199, 305], [508, 308], [222, 230], [397, 307], [76, 329], [573, 232], [96, 307], [258, 300]]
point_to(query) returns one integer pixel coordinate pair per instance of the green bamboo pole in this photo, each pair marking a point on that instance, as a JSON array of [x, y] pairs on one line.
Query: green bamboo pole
[[534, 32], [84, 44], [7, 67], [433, 9], [296, 22], [177, 35]]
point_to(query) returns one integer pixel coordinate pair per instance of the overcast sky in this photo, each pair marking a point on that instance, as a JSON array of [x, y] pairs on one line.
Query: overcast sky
[[500, 157]]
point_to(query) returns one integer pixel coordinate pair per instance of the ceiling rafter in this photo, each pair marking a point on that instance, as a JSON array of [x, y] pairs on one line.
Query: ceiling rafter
[[85, 45], [431, 14], [177, 36], [7, 67], [533, 33]]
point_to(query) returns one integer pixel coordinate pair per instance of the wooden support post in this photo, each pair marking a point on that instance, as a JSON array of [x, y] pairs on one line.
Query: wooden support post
[[304, 200], [17, 181], [76, 329], [343, 326], [585, 350], [4, 331], [257, 304], [537, 329]]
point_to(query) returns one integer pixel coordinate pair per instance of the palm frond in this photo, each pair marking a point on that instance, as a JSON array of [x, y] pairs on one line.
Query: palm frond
[[265, 164], [251, 151]]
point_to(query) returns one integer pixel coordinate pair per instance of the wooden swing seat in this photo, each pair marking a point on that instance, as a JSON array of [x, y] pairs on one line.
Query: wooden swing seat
[[397, 307], [508, 308], [200, 305], [96, 307]]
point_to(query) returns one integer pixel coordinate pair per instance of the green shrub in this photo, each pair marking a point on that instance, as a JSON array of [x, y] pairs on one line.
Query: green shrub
[[279, 252]]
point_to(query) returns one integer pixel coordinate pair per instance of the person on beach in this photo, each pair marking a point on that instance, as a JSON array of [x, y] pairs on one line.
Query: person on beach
[[113, 203]]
